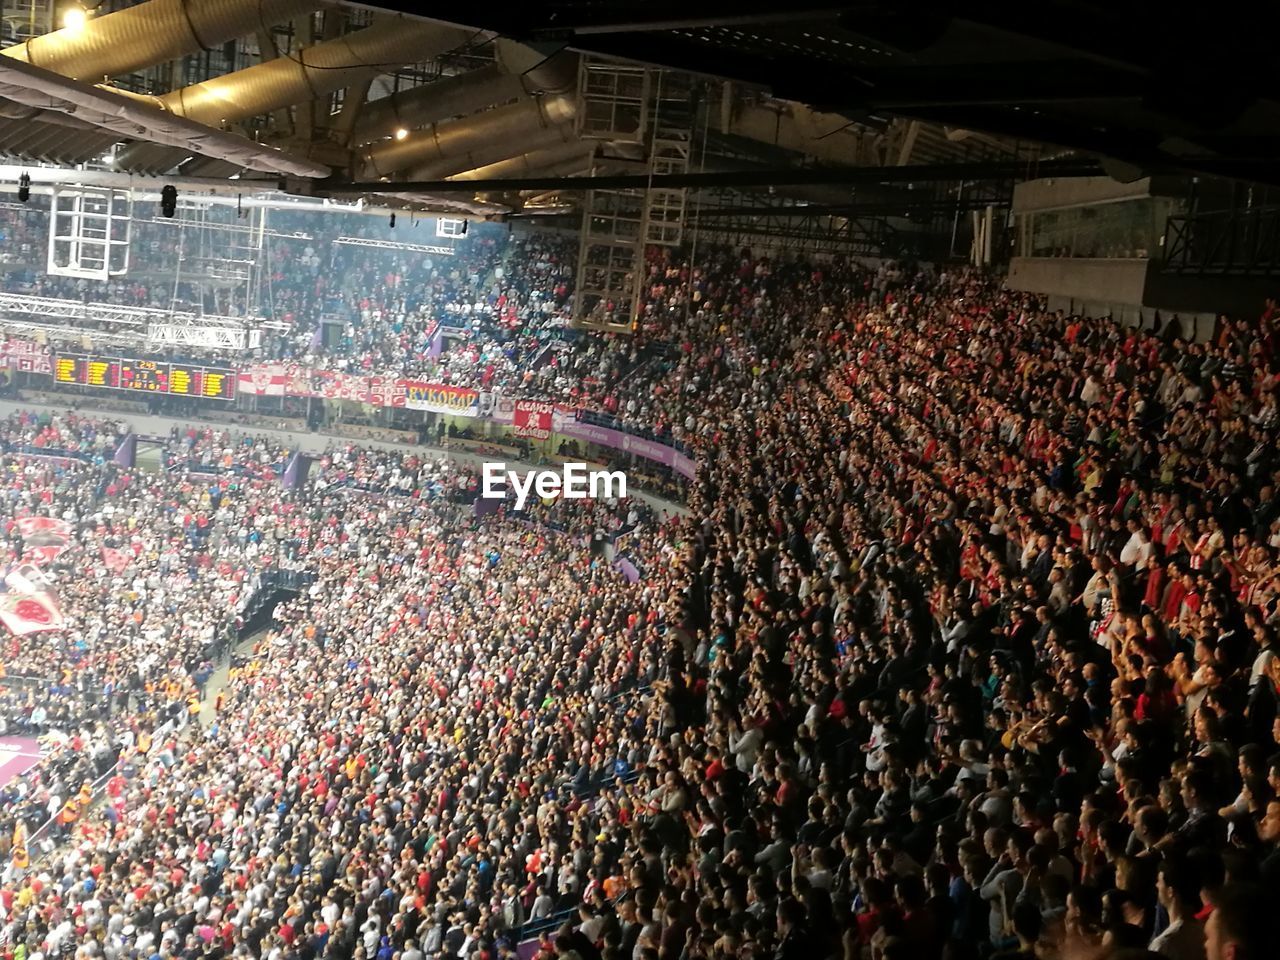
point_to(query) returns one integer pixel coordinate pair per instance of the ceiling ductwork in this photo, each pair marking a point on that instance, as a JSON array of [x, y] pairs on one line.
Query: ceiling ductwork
[[315, 72], [558, 161], [539, 73], [115, 118], [433, 102], [151, 33], [520, 72], [494, 151], [827, 137], [444, 149]]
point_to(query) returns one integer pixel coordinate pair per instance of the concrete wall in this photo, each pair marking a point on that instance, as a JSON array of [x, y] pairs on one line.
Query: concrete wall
[[1197, 326], [1133, 290], [1234, 296], [1105, 281], [1049, 194]]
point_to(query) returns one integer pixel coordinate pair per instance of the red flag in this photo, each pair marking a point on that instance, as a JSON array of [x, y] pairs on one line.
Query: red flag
[[116, 560]]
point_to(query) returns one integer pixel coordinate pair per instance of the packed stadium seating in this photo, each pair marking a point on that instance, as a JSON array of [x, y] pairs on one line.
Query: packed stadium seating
[[967, 647]]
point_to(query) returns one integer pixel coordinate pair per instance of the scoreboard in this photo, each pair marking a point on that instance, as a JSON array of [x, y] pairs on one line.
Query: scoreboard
[[145, 376]]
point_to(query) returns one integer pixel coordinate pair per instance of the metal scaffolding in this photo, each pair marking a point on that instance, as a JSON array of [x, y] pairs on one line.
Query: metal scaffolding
[[148, 326], [613, 100], [1226, 243], [89, 232], [624, 102], [610, 261], [396, 245], [665, 206], [220, 264]]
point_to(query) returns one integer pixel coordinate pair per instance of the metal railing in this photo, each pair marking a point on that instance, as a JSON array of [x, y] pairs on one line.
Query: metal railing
[[42, 838], [601, 419], [1242, 243]]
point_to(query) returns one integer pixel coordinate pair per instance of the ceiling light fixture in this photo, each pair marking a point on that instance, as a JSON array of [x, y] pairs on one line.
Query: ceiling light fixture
[[74, 18]]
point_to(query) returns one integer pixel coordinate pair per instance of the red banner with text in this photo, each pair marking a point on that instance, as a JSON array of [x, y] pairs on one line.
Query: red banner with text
[[532, 419]]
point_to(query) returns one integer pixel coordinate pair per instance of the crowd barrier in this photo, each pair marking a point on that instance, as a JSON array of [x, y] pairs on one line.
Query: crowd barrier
[[483, 448], [42, 840], [115, 404], [357, 431], [261, 420]]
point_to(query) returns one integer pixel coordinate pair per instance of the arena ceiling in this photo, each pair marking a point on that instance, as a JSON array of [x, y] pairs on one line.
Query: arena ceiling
[[478, 108], [1153, 88]]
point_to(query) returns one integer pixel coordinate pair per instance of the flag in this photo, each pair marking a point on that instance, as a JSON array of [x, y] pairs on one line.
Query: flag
[[29, 526], [27, 602], [116, 560], [263, 379], [126, 454], [295, 471], [44, 539], [18, 854], [484, 506]]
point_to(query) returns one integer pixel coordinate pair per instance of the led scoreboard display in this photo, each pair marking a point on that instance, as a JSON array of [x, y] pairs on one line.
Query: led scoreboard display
[[146, 376]]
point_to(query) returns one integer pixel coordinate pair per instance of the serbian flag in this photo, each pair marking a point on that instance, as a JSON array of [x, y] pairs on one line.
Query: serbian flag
[[44, 539], [27, 602]]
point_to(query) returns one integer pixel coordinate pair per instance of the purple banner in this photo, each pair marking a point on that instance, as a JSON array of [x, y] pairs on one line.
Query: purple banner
[[487, 505], [649, 449], [437, 342], [627, 569], [126, 454], [295, 472]]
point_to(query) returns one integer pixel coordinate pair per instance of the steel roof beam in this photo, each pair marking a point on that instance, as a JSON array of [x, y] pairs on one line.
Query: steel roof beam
[[786, 176]]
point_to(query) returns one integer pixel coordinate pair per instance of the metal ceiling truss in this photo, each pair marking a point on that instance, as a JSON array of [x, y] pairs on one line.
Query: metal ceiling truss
[[923, 208], [53, 331], [49, 99], [1225, 243], [140, 324], [1087, 76], [225, 227], [396, 245], [197, 332], [775, 176], [852, 236]]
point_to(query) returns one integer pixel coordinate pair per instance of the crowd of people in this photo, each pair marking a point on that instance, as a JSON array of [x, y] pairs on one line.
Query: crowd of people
[[503, 295], [966, 649], [342, 307]]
